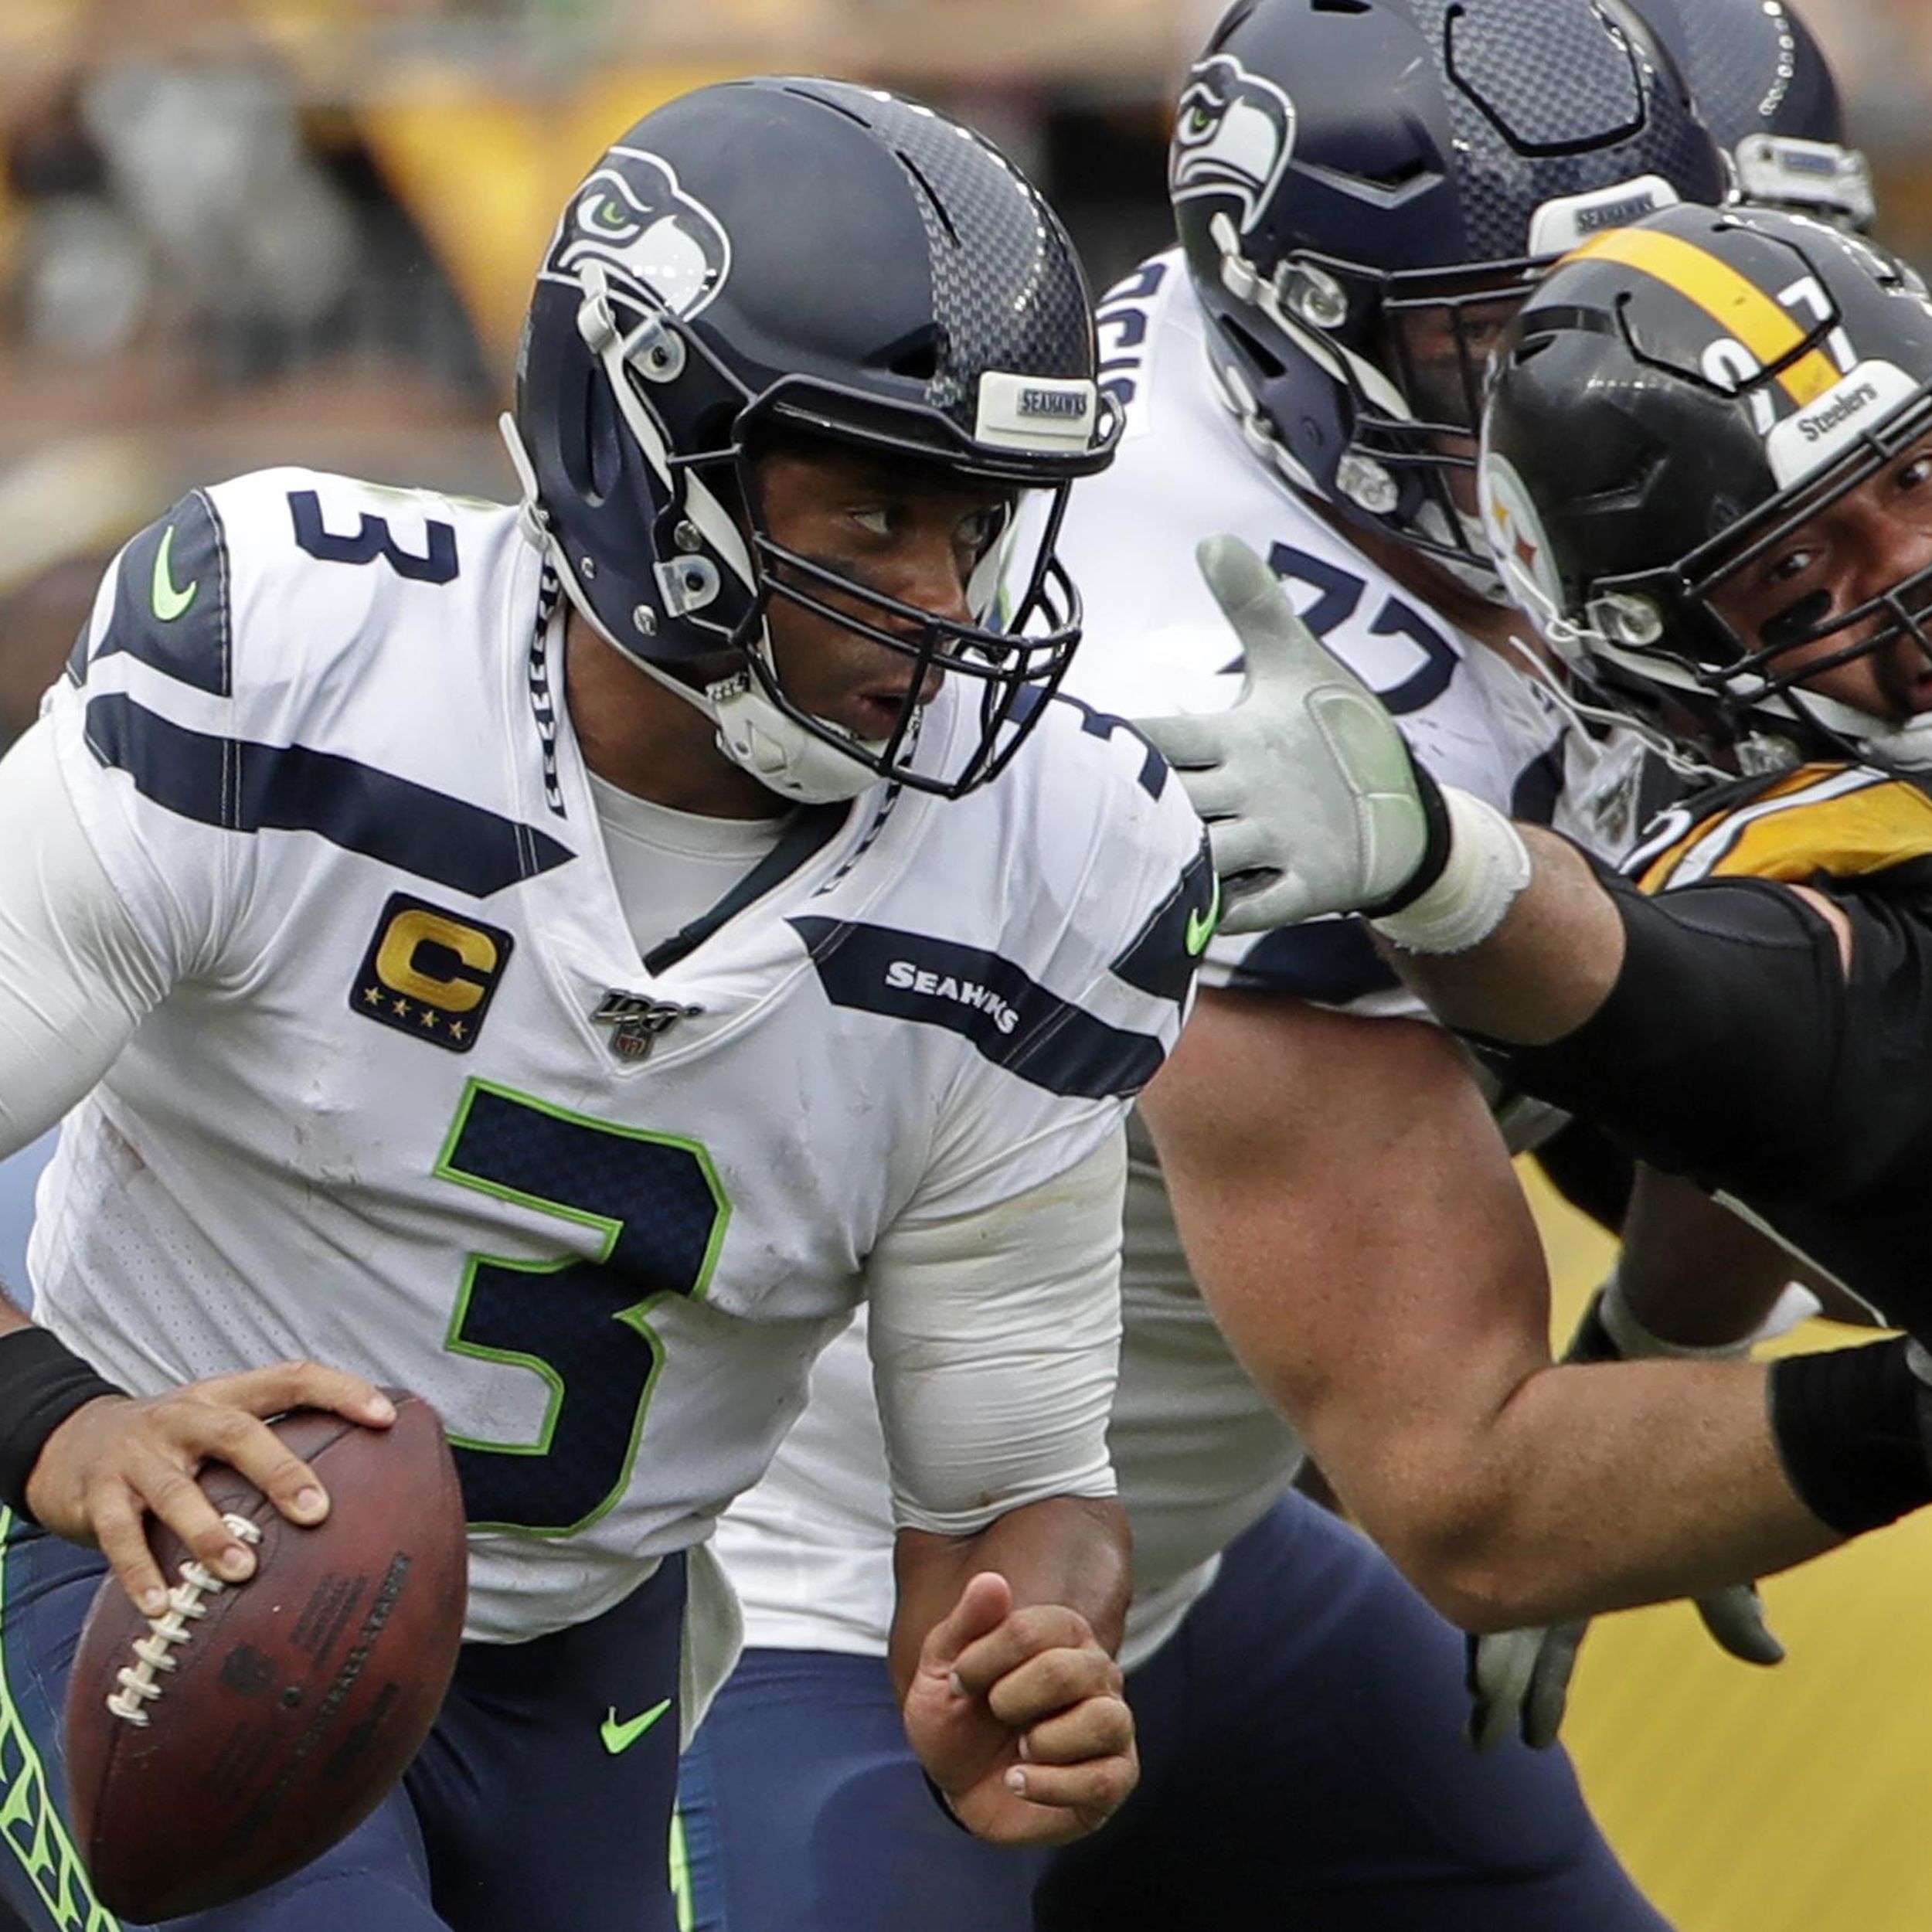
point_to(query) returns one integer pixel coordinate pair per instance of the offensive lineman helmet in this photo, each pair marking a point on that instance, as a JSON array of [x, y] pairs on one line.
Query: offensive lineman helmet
[[1765, 90], [1674, 404], [776, 257], [1364, 188]]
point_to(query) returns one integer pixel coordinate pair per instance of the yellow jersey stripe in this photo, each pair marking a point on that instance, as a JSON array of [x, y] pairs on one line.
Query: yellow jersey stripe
[[1841, 832], [1733, 301]]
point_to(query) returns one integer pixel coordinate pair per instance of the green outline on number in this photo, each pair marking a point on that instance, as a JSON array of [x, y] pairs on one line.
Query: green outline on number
[[72, 1904], [634, 1316]]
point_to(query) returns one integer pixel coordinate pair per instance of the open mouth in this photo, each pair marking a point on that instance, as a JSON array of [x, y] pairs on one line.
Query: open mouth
[[875, 716]]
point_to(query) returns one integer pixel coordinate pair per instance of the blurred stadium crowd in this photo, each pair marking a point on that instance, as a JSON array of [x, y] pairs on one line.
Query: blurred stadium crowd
[[235, 231]]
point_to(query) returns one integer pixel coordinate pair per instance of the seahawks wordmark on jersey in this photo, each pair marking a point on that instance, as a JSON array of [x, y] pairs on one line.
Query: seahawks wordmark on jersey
[[1199, 1452], [378, 1121]]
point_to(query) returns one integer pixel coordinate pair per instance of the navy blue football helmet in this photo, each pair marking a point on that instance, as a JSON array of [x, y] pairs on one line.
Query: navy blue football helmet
[[1365, 191], [1674, 404], [774, 258], [1765, 90]]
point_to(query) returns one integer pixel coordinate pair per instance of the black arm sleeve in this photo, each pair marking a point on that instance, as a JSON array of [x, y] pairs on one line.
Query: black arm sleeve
[[1733, 1047]]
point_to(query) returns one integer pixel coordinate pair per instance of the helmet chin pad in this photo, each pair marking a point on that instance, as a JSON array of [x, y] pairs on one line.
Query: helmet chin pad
[[781, 753]]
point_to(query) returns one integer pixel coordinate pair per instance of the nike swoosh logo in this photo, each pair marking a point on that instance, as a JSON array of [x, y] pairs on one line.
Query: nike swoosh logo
[[620, 1737], [169, 602], [1200, 926]]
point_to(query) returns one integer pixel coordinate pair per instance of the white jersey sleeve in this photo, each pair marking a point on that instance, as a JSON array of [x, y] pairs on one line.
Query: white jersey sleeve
[[76, 974], [995, 1375], [161, 703]]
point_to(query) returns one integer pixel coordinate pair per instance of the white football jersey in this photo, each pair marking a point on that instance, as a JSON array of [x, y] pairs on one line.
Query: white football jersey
[[1200, 1454], [413, 1105]]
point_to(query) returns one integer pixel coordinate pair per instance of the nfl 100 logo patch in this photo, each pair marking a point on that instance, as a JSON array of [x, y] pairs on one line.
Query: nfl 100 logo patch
[[637, 1022]]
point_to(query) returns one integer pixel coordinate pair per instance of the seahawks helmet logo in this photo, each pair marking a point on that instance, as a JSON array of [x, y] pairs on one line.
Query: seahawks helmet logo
[[1233, 134], [658, 247]]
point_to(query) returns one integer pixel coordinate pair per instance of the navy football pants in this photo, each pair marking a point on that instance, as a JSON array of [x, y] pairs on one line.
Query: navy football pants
[[515, 1816], [1303, 1765]]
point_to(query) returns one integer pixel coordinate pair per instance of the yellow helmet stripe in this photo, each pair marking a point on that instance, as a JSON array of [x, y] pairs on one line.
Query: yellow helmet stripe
[[1732, 300]]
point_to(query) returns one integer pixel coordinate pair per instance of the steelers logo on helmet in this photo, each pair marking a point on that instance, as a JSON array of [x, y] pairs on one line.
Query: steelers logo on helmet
[[657, 244], [1517, 539], [1233, 135]]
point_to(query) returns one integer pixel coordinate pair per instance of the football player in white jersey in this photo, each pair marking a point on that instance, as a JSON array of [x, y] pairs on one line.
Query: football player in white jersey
[[1707, 458], [1363, 191], [561, 958]]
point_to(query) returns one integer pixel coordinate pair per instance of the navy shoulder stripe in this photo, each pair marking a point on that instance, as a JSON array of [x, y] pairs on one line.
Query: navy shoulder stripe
[[1008, 1017], [248, 788], [1161, 960], [1328, 960], [170, 604]]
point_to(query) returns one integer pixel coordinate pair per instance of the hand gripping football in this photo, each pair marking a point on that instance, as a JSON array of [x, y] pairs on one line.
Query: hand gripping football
[[234, 1740]]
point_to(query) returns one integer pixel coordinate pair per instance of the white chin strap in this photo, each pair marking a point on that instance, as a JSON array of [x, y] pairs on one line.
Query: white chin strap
[[753, 733], [777, 750]]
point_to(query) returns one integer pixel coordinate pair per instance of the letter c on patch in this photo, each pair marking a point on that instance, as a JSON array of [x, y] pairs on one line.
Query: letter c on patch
[[398, 959]]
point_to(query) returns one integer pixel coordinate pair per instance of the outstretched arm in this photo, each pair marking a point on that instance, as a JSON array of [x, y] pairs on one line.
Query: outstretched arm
[[1353, 1219], [1314, 806]]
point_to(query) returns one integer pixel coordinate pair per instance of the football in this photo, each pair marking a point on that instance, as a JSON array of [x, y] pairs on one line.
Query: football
[[238, 1737]]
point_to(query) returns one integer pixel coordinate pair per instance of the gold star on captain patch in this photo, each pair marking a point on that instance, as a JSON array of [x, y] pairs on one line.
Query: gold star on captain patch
[[425, 965]]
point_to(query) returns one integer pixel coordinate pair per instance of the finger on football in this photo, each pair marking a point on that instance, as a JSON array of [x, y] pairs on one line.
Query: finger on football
[[1735, 1619], [302, 1385], [119, 1526], [175, 1497], [232, 1435]]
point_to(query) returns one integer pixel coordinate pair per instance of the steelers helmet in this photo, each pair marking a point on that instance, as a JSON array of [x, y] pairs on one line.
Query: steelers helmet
[[1675, 403]]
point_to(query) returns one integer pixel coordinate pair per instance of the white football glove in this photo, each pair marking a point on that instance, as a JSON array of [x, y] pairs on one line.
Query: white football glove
[[1312, 802], [1519, 1680]]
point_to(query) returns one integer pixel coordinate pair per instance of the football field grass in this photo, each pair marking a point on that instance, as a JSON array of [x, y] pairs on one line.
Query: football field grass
[[1788, 1800]]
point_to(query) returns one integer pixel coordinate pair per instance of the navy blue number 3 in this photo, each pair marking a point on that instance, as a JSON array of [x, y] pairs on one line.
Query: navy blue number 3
[[372, 539], [582, 1325]]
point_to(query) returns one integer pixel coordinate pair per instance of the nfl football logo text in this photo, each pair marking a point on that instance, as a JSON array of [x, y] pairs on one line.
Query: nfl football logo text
[[430, 974], [639, 1021]]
